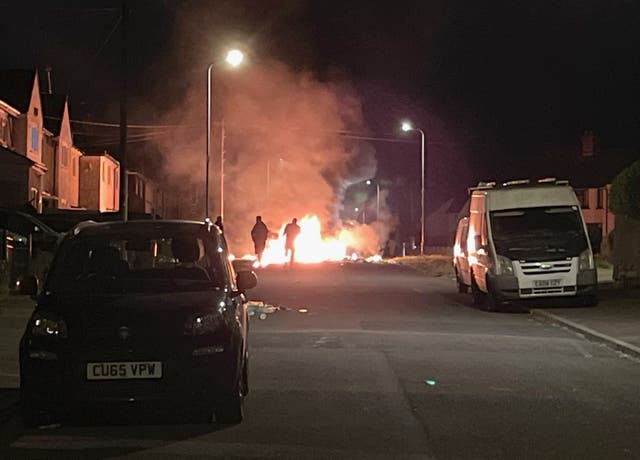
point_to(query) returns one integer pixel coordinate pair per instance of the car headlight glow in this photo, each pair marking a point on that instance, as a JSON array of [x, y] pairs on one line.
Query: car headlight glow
[[202, 324], [504, 266], [47, 325], [585, 262]]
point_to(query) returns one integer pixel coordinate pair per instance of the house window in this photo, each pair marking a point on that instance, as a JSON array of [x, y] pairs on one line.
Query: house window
[[108, 175], [104, 173], [64, 158], [74, 171], [583, 197], [600, 203], [34, 138]]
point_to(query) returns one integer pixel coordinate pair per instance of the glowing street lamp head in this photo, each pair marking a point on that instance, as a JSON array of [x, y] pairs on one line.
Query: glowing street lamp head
[[406, 126], [368, 182], [234, 57], [356, 209]]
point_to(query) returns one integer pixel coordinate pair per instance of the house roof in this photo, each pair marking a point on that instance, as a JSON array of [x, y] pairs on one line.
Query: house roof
[[591, 171], [53, 109], [15, 156], [16, 86], [101, 154]]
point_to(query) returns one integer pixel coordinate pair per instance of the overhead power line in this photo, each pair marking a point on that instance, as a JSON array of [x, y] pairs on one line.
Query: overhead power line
[[346, 134]]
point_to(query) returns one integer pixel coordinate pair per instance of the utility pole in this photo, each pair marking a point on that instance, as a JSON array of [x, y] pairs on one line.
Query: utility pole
[[124, 179], [222, 167]]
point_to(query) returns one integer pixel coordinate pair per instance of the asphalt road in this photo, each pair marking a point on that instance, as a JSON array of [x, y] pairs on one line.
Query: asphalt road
[[386, 363]]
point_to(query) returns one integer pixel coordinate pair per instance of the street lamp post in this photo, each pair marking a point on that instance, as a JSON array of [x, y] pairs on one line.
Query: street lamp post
[[234, 58], [369, 182], [406, 126]]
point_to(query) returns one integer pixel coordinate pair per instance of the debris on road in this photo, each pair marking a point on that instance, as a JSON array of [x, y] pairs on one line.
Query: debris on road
[[260, 309]]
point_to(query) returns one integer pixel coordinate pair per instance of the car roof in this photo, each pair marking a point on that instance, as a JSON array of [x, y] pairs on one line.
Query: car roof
[[89, 228]]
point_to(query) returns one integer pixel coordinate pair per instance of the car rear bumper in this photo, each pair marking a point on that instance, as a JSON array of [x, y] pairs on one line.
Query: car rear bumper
[[185, 379]]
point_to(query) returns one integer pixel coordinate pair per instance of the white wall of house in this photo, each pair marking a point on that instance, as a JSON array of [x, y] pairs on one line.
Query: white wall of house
[[32, 122], [99, 183], [67, 182], [7, 116]]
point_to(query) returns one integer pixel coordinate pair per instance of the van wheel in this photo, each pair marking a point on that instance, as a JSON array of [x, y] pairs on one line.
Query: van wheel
[[590, 301], [462, 288], [494, 303], [476, 294]]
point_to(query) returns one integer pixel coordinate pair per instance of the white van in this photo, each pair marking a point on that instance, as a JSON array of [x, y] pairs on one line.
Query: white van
[[528, 240]]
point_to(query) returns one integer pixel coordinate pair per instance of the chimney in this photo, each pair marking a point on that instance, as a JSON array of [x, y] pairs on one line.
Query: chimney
[[48, 70], [587, 144]]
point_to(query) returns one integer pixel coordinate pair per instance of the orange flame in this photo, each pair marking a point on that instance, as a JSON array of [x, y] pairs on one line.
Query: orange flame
[[354, 243], [311, 246]]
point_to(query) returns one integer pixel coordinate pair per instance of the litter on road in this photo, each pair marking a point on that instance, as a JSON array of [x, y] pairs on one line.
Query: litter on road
[[260, 309]]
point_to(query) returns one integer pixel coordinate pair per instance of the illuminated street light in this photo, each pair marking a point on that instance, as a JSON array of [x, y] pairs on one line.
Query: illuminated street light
[[406, 127], [234, 58]]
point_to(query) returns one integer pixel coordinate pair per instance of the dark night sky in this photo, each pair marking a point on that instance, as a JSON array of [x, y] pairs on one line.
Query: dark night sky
[[492, 80]]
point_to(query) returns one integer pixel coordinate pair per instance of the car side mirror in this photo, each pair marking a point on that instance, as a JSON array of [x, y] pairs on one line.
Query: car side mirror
[[27, 285], [246, 280]]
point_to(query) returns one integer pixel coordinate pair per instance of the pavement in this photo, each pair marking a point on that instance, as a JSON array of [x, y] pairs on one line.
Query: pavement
[[615, 321]]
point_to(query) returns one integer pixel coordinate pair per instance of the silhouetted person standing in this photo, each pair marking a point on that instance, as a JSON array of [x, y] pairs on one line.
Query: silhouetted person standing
[[291, 232], [218, 223], [259, 234]]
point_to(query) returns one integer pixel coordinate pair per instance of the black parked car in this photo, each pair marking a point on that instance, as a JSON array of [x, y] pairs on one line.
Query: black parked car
[[139, 313]]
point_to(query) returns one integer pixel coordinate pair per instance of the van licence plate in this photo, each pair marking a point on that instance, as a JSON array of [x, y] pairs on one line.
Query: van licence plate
[[124, 370], [547, 283]]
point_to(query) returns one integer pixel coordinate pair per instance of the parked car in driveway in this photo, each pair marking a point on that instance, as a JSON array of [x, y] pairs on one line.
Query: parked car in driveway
[[138, 313]]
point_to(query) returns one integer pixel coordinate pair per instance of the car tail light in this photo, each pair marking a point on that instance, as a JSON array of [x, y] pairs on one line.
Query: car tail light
[[202, 324], [47, 324]]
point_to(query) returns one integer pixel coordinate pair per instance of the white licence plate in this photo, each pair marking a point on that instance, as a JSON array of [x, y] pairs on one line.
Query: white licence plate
[[124, 370], [546, 283]]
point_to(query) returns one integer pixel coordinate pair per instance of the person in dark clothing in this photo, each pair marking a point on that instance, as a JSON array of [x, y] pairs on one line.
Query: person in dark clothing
[[291, 232], [259, 234], [218, 223]]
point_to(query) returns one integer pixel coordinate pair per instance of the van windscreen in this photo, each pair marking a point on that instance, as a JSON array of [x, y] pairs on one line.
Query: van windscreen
[[538, 233]]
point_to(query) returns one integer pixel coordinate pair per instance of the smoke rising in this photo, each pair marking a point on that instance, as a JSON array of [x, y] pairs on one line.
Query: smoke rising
[[285, 154]]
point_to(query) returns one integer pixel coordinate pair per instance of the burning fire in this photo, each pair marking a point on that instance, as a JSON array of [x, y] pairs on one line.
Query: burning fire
[[312, 246]]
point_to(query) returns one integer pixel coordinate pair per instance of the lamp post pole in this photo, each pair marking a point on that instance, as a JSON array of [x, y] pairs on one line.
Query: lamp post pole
[[208, 149], [369, 182], [234, 58], [406, 126], [377, 201], [422, 194], [222, 168]]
